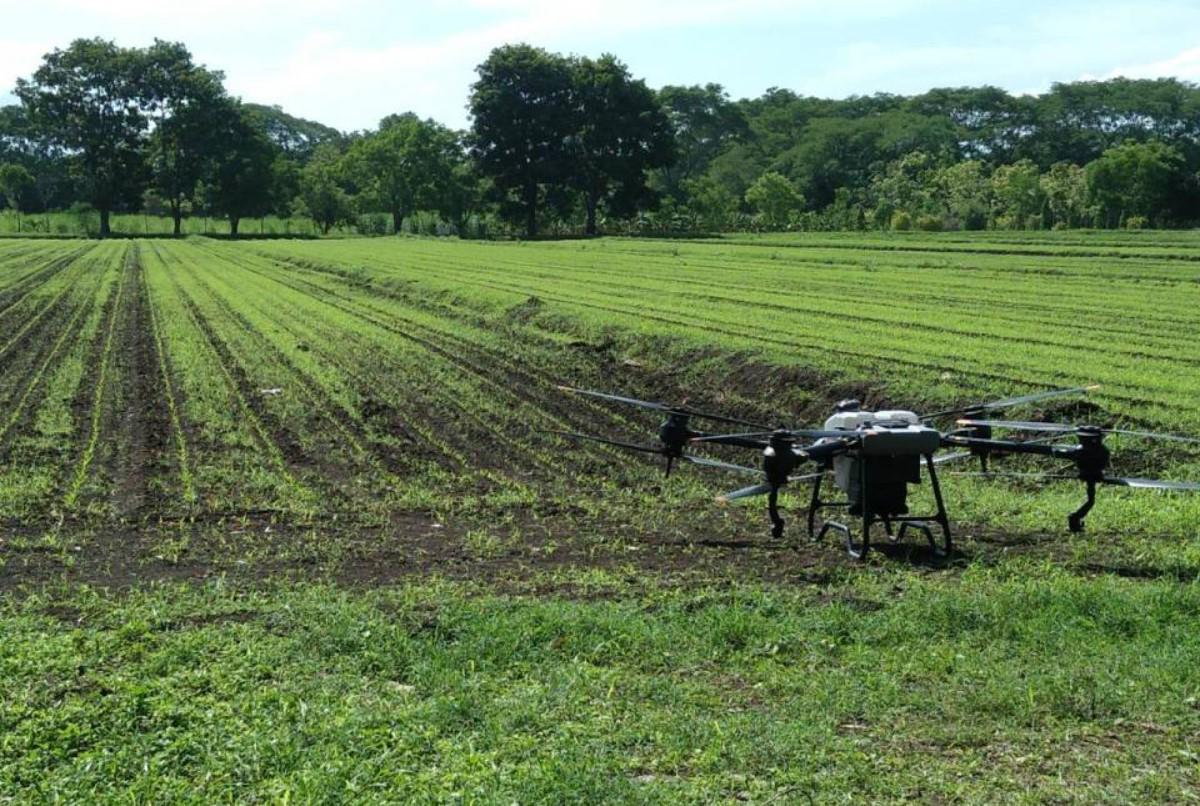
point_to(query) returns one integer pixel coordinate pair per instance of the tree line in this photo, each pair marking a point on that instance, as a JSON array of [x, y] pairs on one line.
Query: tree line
[[573, 144]]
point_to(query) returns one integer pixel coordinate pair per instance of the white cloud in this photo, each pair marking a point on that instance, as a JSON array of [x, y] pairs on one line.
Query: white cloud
[[19, 58], [321, 75], [1184, 66]]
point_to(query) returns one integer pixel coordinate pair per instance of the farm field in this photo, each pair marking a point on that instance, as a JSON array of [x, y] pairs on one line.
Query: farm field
[[304, 495]]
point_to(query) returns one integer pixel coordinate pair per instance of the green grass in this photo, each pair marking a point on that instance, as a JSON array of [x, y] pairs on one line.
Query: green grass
[[284, 521], [1026, 686]]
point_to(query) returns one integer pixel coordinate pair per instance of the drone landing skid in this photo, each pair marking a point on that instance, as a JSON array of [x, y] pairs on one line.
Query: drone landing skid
[[920, 523], [1075, 519]]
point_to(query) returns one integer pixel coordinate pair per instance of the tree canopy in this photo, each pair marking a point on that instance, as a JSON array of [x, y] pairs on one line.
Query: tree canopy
[[576, 144]]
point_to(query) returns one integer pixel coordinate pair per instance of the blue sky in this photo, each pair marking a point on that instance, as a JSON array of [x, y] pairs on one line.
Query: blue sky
[[350, 63]]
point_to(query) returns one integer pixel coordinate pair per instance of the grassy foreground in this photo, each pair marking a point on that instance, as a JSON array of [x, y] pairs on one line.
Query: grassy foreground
[[1023, 685]]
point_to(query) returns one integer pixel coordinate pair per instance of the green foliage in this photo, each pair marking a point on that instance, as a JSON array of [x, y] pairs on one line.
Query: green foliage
[[619, 134], [407, 165], [569, 142], [705, 123], [242, 183], [521, 113], [1066, 192], [16, 183], [964, 194], [296, 138], [432, 692], [774, 198], [321, 188], [89, 100], [1017, 193], [1134, 179]]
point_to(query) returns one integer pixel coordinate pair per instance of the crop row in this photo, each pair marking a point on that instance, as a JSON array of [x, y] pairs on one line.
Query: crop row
[[354, 381]]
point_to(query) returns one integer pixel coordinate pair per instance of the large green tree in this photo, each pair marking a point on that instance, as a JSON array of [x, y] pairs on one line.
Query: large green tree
[[705, 123], [184, 100], [775, 198], [89, 99], [521, 118], [1066, 191], [321, 192], [1136, 179], [619, 135], [407, 165], [242, 176]]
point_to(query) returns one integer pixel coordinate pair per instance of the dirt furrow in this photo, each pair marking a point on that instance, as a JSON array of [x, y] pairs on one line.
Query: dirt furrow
[[142, 461]]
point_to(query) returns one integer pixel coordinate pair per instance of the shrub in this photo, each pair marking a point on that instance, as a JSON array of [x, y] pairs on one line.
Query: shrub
[[1137, 222], [901, 221], [372, 224], [929, 223]]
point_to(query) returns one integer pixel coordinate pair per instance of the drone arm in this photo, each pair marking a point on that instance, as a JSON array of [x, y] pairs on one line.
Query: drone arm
[[737, 441], [823, 450], [1004, 446]]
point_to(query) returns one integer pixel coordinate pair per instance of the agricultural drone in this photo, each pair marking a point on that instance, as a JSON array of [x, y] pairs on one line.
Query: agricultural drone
[[874, 456]]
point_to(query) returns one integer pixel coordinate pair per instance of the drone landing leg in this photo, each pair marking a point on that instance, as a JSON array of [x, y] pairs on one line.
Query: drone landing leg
[[1075, 519], [859, 552], [773, 511], [813, 504], [942, 518]]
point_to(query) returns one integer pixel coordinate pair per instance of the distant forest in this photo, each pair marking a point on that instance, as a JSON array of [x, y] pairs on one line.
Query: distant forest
[[567, 145]]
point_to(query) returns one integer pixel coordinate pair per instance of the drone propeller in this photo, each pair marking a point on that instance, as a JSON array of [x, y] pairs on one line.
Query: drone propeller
[[663, 407], [706, 462], [1117, 481], [602, 440], [1152, 484], [1012, 401], [761, 489], [1020, 425], [745, 492], [1004, 474]]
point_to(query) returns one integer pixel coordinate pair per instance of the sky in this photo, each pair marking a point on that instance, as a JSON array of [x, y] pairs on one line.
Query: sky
[[350, 63]]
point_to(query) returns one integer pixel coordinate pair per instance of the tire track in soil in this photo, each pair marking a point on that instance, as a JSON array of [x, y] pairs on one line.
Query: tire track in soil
[[582, 415], [465, 443], [354, 431], [460, 352], [181, 433], [271, 433]]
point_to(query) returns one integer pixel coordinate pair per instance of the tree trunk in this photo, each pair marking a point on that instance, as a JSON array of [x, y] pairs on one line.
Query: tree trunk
[[531, 211], [397, 221], [233, 225], [591, 214], [105, 231], [177, 216]]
